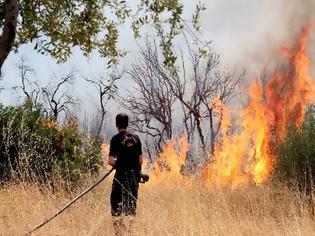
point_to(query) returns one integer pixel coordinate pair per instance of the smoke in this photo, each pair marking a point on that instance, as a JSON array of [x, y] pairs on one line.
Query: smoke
[[249, 33]]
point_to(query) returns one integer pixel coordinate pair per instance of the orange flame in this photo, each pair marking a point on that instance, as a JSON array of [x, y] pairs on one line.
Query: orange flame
[[50, 124], [169, 165], [247, 156]]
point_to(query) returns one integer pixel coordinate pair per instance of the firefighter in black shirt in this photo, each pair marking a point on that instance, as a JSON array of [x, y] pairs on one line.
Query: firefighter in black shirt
[[125, 155]]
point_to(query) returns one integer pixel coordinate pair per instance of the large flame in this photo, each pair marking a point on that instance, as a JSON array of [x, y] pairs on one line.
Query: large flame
[[168, 167], [247, 156]]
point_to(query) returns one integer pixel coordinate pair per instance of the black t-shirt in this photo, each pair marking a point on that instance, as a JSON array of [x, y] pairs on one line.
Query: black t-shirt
[[127, 148]]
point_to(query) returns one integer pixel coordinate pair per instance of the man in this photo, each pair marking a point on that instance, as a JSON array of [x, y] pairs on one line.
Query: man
[[125, 155]]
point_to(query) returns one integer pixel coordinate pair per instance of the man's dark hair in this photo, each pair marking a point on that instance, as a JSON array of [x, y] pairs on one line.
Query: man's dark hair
[[122, 120]]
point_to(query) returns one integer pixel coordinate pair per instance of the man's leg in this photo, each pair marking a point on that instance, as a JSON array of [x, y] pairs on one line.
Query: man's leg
[[130, 194], [132, 201], [129, 199], [116, 208]]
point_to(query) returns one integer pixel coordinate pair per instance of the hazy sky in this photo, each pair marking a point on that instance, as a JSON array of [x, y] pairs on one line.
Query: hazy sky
[[247, 33]]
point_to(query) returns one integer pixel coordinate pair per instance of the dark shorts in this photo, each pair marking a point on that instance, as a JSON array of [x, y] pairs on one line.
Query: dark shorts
[[124, 193]]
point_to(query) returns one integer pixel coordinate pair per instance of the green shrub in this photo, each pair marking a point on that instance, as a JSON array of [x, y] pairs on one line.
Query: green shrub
[[34, 148], [296, 155]]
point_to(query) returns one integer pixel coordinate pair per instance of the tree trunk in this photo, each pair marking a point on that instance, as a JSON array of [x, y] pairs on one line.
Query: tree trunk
[[9, 29], [99, 130], [202, 139], [212, 135]]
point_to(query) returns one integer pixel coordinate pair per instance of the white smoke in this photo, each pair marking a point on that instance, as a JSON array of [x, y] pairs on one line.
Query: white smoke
[[249, 33]]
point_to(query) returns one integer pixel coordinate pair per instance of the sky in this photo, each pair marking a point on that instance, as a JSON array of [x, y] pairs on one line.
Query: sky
[[247, 34]]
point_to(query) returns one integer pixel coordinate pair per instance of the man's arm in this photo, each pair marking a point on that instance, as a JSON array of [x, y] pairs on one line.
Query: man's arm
[[111, 161], [140, 161], [113, 151], [140, 153]]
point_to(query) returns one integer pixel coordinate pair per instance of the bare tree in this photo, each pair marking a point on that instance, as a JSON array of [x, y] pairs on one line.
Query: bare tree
[[106, 89], [58, 97], [176, 82], [207, 83], [224, 85], [30, 89], [195, 91], [151, 101]]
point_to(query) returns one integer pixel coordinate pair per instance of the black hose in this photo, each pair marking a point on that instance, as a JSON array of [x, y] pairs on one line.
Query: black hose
[[70, 203]]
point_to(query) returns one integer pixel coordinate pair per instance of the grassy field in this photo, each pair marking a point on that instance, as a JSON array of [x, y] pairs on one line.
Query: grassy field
[[163, 210]]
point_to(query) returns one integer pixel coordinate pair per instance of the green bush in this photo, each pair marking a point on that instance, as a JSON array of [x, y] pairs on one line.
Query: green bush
[[296, 155], [34, 148]]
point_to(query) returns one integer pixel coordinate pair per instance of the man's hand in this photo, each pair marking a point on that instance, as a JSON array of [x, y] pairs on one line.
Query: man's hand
[[144, 178]]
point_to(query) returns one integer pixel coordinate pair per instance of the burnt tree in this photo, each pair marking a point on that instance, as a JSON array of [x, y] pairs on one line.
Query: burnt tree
[[106, 89], [195, 86], [58, 97], [30, 89], [151, 100]]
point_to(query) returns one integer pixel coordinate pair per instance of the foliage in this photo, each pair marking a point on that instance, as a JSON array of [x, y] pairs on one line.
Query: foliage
[[296, 155], [57, 26], [38, 149]]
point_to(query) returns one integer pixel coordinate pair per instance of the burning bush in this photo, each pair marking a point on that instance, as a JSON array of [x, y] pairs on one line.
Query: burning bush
[[37, 149], [246, 153]]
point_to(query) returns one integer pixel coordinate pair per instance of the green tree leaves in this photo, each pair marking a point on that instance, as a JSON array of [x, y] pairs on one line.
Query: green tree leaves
[[296, 154], [38, 149], [56, 27]]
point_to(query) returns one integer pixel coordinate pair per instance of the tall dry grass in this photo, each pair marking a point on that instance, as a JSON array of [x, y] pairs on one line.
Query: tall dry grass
[[177, 210]]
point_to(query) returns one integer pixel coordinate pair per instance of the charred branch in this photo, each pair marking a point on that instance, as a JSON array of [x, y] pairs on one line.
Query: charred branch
[[151, 100], [58, 99], [106, 87], [30, 89]]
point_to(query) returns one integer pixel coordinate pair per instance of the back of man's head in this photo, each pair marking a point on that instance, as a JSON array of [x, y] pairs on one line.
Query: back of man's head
[[122, 121]]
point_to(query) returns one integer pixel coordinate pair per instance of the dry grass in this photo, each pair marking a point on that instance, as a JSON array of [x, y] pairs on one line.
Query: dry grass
[[265, 210]]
